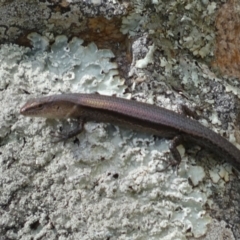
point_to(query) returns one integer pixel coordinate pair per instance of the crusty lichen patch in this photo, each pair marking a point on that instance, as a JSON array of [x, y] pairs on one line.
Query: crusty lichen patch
[[79, 68], [106, 173], [107, 183]]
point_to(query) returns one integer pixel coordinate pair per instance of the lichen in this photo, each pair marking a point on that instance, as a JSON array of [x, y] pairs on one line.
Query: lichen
[[142, 63], [189, 24], [108, 182], [132, 24], [78, 68], [115, 171]]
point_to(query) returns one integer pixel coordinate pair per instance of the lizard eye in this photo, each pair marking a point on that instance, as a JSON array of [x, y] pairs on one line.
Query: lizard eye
[[40, 106]]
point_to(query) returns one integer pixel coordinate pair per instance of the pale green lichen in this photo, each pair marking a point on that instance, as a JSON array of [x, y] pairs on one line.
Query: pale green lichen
[[189, 24], [113, 173], [142, 63], [132, 23], [79, 68]]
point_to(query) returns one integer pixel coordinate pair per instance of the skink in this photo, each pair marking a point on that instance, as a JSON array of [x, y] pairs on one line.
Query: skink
[[136, 115]]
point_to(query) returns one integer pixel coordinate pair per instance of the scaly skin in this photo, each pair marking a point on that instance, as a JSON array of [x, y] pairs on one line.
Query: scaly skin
[[136, 115]]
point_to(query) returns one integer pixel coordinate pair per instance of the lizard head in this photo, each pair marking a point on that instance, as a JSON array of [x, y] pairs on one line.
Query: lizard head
[[49, 107]]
